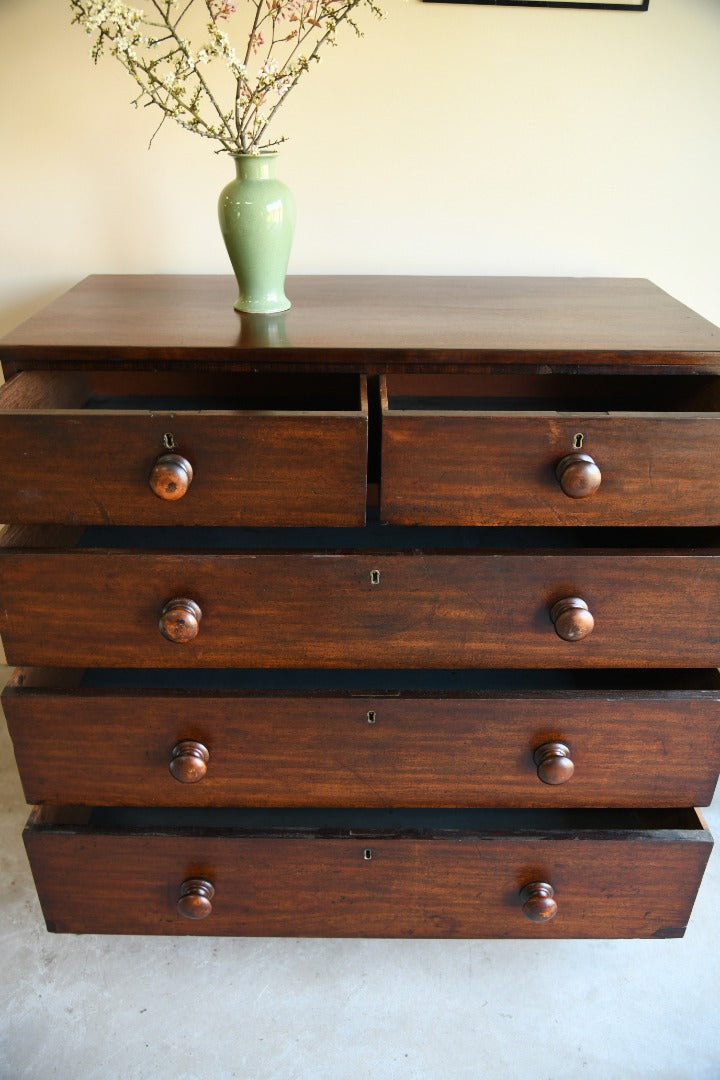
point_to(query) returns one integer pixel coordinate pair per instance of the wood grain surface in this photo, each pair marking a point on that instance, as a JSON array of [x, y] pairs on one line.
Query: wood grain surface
[[98, 607], [608, 882], [93, 465], [272, 418], [499, 469], [368, 324], [638, 747]]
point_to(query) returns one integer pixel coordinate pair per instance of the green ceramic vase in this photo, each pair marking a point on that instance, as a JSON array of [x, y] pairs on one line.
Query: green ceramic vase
[[257, 219]]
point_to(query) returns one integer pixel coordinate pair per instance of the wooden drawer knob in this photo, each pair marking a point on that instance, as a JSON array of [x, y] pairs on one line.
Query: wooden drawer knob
[[180, 620], [572, 618], [537, 901], [195, 900], [554, 764], [578, 475], [171, 476], [189, 761]]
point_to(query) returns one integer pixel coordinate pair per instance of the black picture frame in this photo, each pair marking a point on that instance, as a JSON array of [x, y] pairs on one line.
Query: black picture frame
[[641, 5]]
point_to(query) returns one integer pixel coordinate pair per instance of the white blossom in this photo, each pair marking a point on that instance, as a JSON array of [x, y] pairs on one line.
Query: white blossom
[[186, 79]]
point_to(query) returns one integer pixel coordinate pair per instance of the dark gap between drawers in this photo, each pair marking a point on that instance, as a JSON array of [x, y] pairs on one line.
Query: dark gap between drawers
[[366, 823], [391, 538], [553, 393], [147, 392], [387, 681]]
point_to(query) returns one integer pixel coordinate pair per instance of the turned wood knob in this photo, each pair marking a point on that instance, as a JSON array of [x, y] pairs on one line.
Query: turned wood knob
[[189, 761], [572, 618], [180, 620], [578, 475], [171, 476], [554, 764], [195, 901], [537, 901]]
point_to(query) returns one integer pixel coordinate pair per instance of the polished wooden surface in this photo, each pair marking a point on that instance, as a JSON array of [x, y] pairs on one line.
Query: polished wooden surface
[[578, 475], [195, 901], [171, 477], [634, 741], [188, 761], [554, 763], [368, 324], [323, 608], [180, 620], [499, 466], [538, 903], [431, 884], [490, 401], [65, 462], [572, 619]]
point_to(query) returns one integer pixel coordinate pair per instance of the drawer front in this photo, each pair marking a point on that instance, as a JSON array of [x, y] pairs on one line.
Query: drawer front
[[459, 467], [89, 608], [605, 883], [96, 465], [141, 747]]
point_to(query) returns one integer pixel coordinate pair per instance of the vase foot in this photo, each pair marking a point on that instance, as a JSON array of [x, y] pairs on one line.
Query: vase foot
[[250, 307]]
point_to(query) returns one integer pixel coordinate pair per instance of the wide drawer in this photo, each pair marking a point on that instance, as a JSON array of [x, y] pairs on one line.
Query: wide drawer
[[369, 873], [376, 738], [550, 450], [183, 449], [294, 598]]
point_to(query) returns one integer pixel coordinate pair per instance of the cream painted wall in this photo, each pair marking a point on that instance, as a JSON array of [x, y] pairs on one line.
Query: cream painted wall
[[451, 139]]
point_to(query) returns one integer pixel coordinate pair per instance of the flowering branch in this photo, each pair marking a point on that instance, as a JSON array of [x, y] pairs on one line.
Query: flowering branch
[[186, 82]]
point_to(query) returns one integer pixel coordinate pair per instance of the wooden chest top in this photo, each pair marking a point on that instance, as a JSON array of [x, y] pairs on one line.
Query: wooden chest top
[[369, 324]]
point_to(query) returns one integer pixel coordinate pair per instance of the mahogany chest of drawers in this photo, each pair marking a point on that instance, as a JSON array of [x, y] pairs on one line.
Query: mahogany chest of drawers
[[393, 615]]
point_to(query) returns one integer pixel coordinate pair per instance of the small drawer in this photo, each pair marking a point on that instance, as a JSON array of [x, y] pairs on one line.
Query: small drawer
[[365, 598], [183, 449], [364, 873], [374, 738], [550, 450]]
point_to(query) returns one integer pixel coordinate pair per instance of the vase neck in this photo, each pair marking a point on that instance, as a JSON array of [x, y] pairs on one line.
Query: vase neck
[[255, 166]]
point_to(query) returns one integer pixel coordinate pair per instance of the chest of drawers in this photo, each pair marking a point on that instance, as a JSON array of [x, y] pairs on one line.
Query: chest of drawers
[[393, 615]]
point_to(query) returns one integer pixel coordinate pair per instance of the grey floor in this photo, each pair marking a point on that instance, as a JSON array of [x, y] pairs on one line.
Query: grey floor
[[136, 1008]]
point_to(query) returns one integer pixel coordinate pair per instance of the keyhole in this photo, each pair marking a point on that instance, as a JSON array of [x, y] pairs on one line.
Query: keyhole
[[578, 441], [371, 716], [169, 440], [374, 577], [367, 854]]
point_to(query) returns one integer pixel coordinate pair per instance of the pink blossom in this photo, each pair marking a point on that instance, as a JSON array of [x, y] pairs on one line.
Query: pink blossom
[[220, 9]]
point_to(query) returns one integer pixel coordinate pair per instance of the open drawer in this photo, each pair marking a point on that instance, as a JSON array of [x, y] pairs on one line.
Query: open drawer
[[183, 448], [365, 738], [550, 450], [365, 598], [479, 873]]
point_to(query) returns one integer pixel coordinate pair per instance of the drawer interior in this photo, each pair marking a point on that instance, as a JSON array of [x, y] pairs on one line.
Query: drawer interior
[[371, 823], [191, 392], [551, 393]]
